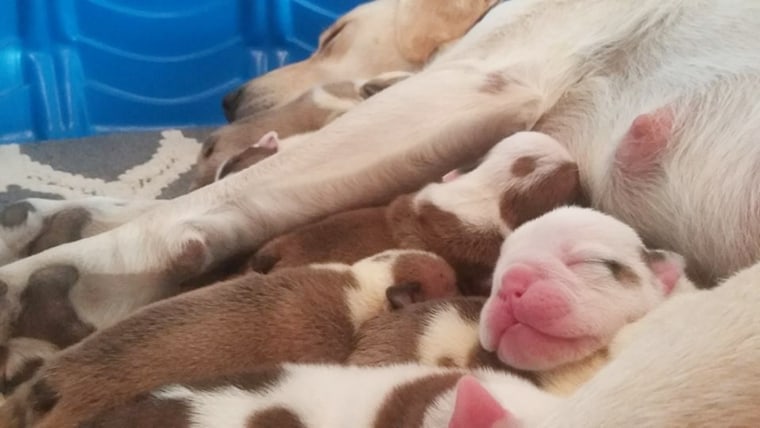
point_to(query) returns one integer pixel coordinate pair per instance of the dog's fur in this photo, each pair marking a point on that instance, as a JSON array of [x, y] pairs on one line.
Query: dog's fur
[[320, 396], [319, 314], [376, 37], [463, 220], [579, 70], [310, 111], [307, 314]]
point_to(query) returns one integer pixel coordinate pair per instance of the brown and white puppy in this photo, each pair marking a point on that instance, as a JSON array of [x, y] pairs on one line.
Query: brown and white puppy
[[405, 395], [567, 282], [319, 396], [375, 37], [463, 220], [620, 282], [236, 144], [307, 314]]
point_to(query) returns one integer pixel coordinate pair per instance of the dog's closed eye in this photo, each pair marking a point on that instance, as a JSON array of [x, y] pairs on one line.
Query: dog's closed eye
[[328, 37]]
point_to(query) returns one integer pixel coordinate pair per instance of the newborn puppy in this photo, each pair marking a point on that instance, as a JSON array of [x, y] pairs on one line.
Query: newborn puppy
[[307, 113], [320, 396], [566, 283], [307, 314], [446, 333], [463, 220]]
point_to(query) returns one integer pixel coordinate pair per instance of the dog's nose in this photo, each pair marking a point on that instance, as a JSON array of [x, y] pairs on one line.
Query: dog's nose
[[230, 103], [516, 281]]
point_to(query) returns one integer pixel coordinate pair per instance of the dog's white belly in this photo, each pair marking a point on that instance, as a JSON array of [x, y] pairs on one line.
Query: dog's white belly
[[704, 202], [701, 58]]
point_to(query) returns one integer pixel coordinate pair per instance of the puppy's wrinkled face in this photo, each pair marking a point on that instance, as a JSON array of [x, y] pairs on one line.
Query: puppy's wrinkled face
[[566, 283]]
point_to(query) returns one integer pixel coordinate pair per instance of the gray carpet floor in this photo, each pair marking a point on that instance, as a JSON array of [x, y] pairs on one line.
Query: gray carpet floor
[[142, 165]]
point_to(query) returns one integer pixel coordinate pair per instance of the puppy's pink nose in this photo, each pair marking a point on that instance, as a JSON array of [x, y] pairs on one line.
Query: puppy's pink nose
[[516, 281]]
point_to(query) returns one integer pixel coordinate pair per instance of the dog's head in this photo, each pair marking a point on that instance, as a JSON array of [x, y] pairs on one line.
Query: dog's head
[[375, 37]]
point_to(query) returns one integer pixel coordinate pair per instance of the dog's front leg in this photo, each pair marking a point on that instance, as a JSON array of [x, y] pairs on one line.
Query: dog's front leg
[[393, 143], [30, 226]]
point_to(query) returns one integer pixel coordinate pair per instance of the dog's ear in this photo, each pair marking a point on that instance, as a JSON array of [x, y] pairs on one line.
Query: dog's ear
[[422, 26], [379, 83]]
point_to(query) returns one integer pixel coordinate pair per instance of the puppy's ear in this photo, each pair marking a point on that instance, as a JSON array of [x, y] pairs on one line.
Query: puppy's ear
[[422, 26], [667, 266], [270, 141], [381, 82], [475, 407], [402, 295]]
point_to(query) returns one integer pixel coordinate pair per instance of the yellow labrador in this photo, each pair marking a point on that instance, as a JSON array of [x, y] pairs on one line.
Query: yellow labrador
[[375, 37]]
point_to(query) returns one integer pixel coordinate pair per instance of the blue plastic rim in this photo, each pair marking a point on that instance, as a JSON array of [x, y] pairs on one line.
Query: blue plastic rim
[[72, 68]]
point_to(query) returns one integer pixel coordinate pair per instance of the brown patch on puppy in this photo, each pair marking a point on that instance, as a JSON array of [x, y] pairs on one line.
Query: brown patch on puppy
[[144, 411], [559, 188], [427, 277], [407, 403], [523, 166], [471, 252], [47, 312], [275, 417], [60, 228], [298, 315], [344, 238], [495, 84], [16, 214], [259, 379], [389, 337], [3, 288], [446, 362]]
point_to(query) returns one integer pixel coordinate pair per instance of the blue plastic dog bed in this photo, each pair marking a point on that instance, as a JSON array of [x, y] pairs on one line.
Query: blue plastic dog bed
[[71, 68]]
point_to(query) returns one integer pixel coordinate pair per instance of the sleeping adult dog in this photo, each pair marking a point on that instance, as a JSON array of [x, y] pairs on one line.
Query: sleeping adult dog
[[655, 99]]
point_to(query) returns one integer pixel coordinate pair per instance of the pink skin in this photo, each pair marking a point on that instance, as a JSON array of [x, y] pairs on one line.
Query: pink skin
[[270, 140], [476, 408], [533, 320], [451, 175], [566, 283], [645, 140]]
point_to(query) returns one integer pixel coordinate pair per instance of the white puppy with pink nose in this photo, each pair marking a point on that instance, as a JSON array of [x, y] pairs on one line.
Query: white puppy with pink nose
[[568, 281]]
